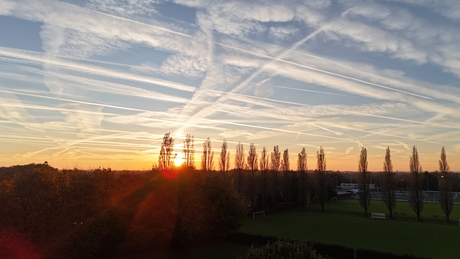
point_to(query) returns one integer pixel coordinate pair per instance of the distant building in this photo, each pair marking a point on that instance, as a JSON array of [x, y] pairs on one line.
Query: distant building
[[350, 186]]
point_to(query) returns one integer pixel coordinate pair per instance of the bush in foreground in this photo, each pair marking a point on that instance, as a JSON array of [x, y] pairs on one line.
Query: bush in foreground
[[282, 249]]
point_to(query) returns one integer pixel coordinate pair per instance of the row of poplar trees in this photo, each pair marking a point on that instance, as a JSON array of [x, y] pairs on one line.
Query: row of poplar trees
[[264, 169], [276, 161], [415, 186]]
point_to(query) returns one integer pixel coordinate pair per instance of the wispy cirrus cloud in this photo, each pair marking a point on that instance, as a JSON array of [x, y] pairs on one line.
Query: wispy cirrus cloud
[[336, 74]]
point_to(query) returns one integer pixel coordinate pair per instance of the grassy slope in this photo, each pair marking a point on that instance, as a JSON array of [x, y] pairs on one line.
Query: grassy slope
[[344, 224]]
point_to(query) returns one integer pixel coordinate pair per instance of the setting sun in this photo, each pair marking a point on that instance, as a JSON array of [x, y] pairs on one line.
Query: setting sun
[[178, 159]]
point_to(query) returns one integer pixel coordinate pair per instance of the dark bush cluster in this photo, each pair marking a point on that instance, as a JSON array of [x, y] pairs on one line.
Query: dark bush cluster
[[79, 214], [282, 249], [267, 246]]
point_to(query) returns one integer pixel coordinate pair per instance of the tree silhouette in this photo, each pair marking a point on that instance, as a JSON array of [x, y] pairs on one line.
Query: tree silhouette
[[167, 147], [285, 166], [415, 184], [364, 187], [320, 174], [302, 168], [275, 160], [264, 162], [446, 197], [252, 163], [239, 165], [224, 161], [207, 162], [189, 151], [388, 188]]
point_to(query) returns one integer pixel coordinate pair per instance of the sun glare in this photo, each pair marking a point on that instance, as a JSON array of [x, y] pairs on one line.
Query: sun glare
[[179, 159]]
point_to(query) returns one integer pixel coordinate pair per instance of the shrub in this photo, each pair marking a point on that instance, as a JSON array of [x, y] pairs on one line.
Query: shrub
[[281, 249], [334, 251]]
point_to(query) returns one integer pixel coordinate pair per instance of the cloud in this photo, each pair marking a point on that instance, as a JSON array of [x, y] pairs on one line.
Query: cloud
[[227, 134], [125, 7], [12, 110], [283, 32], [91, 70], [403, 144], [185, 66], [348, 151]]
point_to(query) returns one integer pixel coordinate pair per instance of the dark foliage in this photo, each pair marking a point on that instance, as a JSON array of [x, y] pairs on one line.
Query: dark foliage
[[281, 249], [79, 214]]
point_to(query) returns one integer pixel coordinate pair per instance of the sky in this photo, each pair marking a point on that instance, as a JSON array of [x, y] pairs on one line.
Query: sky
[[97, 83]]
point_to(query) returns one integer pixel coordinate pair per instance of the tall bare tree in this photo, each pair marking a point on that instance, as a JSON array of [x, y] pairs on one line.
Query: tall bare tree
[[224, 161], [264, 163], [252, 157], [389, 184], [165, 159], [239, 166], [363, 181], [415, 184], [207, 162], [320, 175], [285, 166], [302, 168], [189, 151], [275, 159], [252, 163], [239, 157], [446, 197], [264, 160]]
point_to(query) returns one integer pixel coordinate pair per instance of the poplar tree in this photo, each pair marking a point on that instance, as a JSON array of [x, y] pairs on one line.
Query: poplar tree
[[167, 147], [275, 159], [363, 181], [415, 184], [446, 197], [207, 162], [389, 193], [189, 151], [302, 168], [285, 167], [252, 163], [224, 161], [239, 165], [320, 174], [264, 163]]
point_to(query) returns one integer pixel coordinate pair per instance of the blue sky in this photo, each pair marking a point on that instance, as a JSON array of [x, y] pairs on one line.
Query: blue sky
[[98, 82]]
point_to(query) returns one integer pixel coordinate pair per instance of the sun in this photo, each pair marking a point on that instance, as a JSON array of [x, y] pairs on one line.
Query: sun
[[178, 159]]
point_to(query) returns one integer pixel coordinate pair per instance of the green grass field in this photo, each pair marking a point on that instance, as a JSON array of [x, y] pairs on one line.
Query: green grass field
[[344, 223]]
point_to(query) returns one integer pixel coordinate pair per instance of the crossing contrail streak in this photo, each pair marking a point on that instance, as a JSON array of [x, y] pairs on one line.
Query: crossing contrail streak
[[95, 70]]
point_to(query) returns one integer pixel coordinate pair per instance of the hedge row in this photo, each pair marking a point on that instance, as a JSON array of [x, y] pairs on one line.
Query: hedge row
[[332, 250]]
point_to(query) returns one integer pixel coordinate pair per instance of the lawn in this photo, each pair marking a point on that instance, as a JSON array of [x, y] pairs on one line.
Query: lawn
[[344, 223]]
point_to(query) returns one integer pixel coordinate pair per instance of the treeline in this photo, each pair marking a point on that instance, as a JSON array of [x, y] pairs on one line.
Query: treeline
[[266, 180], [75, 213]]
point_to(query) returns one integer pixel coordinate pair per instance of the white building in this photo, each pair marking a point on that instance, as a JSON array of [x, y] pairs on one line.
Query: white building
[[349, 186]]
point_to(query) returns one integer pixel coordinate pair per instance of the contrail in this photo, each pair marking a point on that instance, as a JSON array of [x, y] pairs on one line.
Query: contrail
[[209, 109], [313, 91], [97, 70], [350, 112]]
